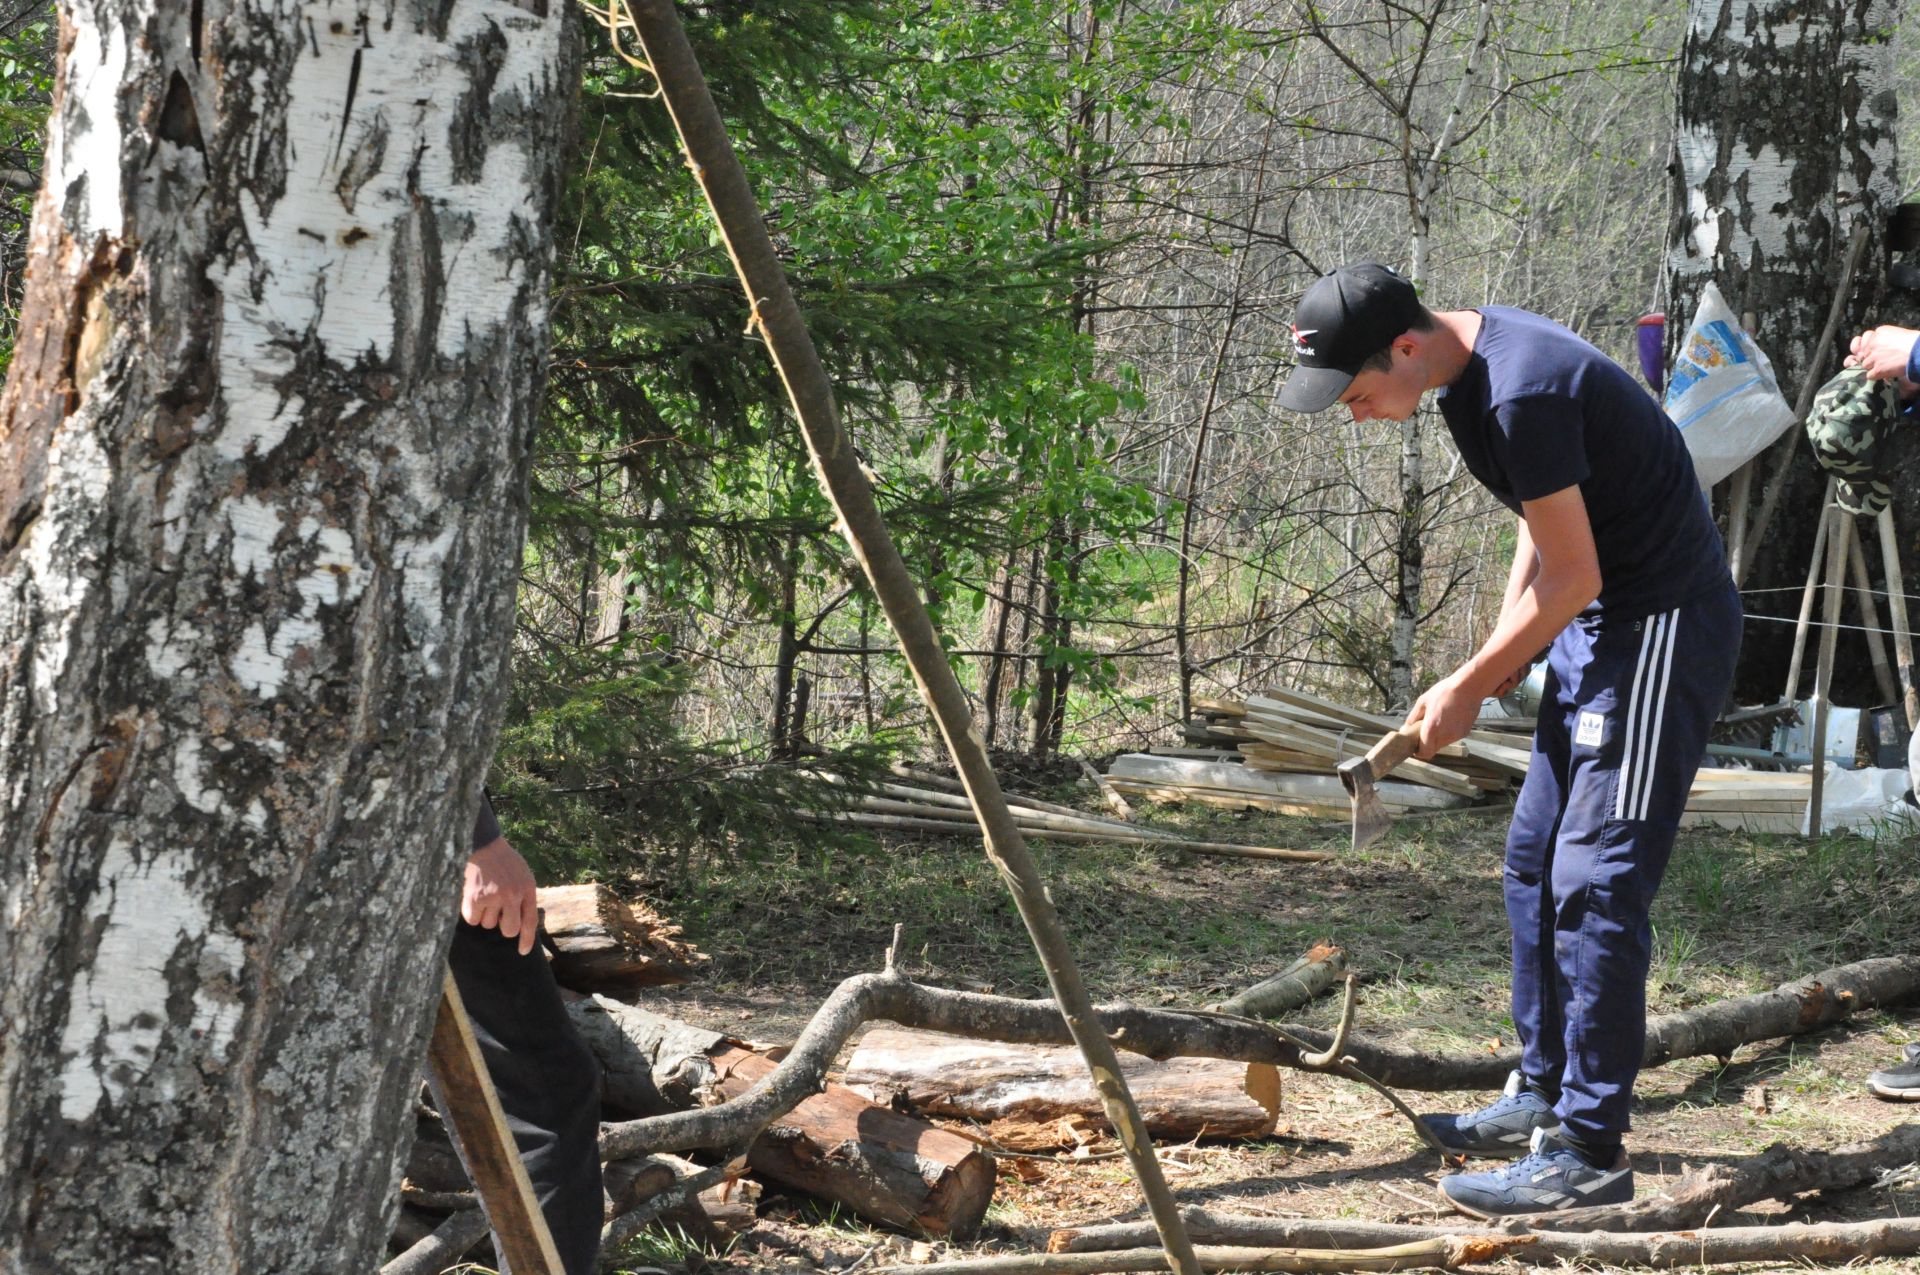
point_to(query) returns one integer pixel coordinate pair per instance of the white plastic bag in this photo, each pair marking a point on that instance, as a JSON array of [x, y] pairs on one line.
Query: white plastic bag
[[1868, 801], [1722, 393]]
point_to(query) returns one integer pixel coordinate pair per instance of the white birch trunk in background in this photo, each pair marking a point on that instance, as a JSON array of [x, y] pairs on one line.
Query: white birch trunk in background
[[263, 465], [1783, 137], [1424, 182]]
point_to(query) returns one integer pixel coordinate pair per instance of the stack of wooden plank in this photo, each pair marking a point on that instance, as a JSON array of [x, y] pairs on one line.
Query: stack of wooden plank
[[1286, 746], [1287, 742], [1749, 800]]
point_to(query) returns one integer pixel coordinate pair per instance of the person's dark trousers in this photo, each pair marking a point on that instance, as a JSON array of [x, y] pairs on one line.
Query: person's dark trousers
[[1623, 726], [547, 1079]]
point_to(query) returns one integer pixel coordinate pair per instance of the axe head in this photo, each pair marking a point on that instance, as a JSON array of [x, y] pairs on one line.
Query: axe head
[[1370, 818]]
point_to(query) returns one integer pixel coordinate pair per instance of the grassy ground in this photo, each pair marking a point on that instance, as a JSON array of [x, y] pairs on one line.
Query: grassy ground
[[1421, 919]]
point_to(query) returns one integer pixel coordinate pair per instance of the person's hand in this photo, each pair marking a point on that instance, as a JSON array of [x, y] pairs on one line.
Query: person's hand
[[1882, 352], [1445, 714], [500, 894]]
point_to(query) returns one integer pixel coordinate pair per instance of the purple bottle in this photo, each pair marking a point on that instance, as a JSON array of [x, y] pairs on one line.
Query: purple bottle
[[1652, 337]]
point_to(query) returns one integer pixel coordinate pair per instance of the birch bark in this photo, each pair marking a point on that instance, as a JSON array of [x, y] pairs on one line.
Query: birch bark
[[1783, 139], [263, 464]]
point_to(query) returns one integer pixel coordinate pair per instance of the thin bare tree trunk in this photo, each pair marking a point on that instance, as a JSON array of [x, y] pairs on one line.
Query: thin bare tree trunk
[[263, 479]]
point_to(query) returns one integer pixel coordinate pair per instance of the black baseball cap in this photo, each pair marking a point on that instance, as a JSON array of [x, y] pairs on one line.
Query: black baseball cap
[[1345, 318]]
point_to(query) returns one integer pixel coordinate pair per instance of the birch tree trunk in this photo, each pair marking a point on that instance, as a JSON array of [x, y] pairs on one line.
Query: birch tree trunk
[[1783, 138], [263, 466]]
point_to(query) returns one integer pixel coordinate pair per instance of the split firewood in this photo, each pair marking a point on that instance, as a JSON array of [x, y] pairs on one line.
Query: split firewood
[[1828, 1244], [1043, 1085], [1779, 1172], [606, 945], [886, 1166], [1292, 987]]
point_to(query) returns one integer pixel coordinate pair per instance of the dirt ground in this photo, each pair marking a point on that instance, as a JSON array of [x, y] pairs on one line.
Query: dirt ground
[[1421, 918]]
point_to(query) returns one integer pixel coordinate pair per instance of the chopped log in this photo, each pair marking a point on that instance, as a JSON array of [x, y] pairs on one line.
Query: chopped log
[[631, 1183], [1042, 1085], [606, 945], [887, 1166], [1828, 1244], [1778, 1172], [711, 1217], [1292, 987], [432, 1163]]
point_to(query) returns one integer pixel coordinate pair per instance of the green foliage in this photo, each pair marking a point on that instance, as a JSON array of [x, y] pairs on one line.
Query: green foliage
[[595, 776], [26, 89]]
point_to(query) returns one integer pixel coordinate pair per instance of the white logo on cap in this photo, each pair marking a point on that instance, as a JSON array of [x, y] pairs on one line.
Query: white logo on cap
[[1300, 336]]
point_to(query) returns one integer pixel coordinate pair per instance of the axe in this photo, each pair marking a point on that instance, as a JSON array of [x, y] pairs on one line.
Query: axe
[[1359, 774]]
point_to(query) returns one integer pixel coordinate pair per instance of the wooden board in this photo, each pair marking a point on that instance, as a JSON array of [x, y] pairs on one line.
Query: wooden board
[[1043, 1085]]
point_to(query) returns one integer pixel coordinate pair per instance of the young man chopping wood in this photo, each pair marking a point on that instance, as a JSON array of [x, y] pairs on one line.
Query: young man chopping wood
[[1617, 565]]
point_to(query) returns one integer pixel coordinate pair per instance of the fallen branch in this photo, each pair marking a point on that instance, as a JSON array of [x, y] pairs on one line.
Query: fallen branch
[[1155, 1033], [1292, 987], [445, 1247], [1789, 1010], [1830, 1243], [1776, 1173], [1445, 1252]]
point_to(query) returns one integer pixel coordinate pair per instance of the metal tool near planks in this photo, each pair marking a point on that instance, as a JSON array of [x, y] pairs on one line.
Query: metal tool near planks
[[464, 1093], [1360, 774]]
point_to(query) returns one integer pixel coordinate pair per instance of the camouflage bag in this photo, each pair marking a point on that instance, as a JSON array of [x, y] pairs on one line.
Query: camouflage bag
[[1850, 418]]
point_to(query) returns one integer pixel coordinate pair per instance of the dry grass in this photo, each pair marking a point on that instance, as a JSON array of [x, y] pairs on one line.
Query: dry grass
[[1421, 918]]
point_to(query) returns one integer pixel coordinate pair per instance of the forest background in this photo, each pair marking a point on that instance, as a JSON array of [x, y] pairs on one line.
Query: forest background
[[1049, 252]]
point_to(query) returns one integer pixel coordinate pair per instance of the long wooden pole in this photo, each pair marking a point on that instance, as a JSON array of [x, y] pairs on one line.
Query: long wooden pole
[[1897, 615], [1870, 618], [1814, 564], [463, 1091], [775, 314], [1840, 533]]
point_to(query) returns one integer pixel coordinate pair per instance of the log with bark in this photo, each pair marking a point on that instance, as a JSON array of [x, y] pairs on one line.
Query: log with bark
[[1039, 1087], [887, 1166], [1317, 970], [1829, 1244], [606, 945]]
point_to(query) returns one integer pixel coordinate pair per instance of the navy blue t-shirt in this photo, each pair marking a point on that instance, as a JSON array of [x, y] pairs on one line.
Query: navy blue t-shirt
[[1538, 410]]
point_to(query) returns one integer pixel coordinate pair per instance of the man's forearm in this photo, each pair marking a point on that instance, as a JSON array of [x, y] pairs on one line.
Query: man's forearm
[[1543, 608]]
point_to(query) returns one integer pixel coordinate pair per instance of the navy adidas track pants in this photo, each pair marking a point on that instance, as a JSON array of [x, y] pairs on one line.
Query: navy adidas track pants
[[1623, 725]]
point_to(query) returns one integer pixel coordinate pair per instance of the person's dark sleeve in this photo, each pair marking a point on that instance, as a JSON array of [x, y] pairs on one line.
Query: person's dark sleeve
[[1913, 363], [1543, 437], [486, 825]]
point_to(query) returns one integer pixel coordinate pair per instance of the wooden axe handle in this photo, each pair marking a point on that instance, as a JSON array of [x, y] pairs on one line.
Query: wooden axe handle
[[1392, 750]]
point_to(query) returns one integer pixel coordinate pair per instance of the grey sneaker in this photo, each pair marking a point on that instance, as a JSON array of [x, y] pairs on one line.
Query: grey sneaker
[[1502, 1129], [1551, 1178], [1898, 1084]]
